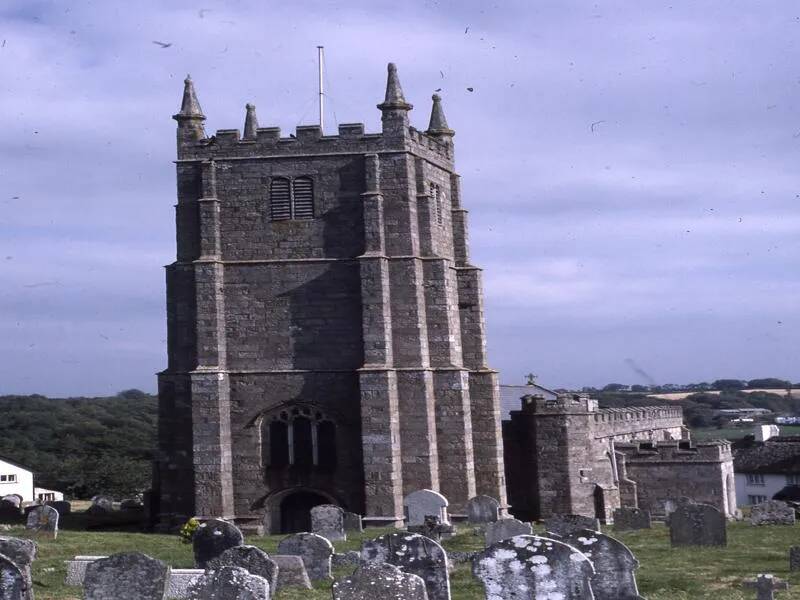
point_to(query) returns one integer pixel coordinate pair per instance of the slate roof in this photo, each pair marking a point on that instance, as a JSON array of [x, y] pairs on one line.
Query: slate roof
[[778, 455], [510, 396]]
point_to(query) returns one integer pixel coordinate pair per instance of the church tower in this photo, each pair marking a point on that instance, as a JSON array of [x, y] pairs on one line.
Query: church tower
[[326, 339]]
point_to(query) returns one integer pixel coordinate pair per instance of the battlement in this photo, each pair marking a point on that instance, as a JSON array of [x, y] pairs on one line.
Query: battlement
[[676, 451], [563, 404]]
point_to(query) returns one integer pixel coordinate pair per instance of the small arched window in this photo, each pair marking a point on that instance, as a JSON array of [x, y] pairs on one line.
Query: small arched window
[[326, 443], [280, 200], [303, 442]]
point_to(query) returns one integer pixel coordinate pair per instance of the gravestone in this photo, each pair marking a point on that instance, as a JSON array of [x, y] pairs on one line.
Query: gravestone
[[291, 571], [13, 584], [327, 520], [670, 505], [63, 507], [131, 504], [126, 576], [43, 520], [76, 569], [794, 558], [22, 553], [482, 509], [564, 525], [697, 525], [613, 562], [9, 510], [413, 553], [212, 538], [315, 550], [352, 522], [423, 503], [380, 581], [180, 580], [629, 518], [250, 558], [101, 505], [527, 566], [229, 583], [14, 499], [504, 529], [766, 585], [772, 512]]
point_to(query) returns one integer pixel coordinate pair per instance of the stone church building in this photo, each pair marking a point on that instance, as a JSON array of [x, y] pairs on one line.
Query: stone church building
[[326, 339]]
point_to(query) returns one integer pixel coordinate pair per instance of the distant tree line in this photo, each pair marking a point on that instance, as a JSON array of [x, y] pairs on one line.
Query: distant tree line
[[82, 446], [717, 385]]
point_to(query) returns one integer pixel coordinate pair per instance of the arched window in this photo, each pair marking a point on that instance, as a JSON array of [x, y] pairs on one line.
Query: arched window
[[326, 444], [303, 198], [303, 442], [278, 444], [280, 201]]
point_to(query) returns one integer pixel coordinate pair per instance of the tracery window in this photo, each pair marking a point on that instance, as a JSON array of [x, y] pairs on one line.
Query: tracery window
[[291, 199], [301, 437]]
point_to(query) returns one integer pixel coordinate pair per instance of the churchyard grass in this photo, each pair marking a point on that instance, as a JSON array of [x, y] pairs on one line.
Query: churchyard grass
[[665, 574]]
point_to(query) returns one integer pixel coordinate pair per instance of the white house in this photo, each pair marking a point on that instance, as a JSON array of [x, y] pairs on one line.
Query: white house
[[16, 479], [762, 469]]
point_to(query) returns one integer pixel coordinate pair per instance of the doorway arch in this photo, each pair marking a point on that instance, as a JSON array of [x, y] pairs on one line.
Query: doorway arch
[[289, 510]]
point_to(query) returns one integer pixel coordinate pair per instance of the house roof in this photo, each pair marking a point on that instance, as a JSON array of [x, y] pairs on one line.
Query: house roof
[[511, 395], [778, 455], [15, 464]]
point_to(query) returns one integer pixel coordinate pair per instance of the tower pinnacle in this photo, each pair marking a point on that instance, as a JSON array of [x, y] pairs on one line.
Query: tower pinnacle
[[190, 118], [190, 107], [438, 122], [250, 122], [394, 93]]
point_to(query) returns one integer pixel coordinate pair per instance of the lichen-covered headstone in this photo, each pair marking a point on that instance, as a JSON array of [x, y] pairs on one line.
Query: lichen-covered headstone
[[482, 509], [43, 520], [22, 553], [291, 571], [315, 550], [327, 520], [628, 518], [613, 562], [250, 558], [794, 558], [697, 525], [126, 576], [504, 529], [413, 553], [772, 512], [212, 538], [352, 522], [423, 503], [766, 585], [13, 585], [379, 581], [564, 525], [229, 583], [532, 567], [101, 505], [62, 506]]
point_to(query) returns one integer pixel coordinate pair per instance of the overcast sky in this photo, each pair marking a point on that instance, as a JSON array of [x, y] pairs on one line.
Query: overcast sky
[[631, 171]]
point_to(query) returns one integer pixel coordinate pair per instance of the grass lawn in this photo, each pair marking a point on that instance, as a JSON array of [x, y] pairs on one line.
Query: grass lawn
[[665, 574], [735, 433]]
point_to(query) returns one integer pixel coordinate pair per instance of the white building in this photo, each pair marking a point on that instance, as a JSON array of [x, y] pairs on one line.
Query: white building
[[762, 469], [16, 479]]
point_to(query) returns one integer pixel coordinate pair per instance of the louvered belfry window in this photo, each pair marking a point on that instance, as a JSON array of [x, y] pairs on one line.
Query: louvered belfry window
[[291, 199]]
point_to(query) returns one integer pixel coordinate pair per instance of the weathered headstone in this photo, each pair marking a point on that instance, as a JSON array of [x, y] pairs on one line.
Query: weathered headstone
[[76, 569], [62, 506], [564, 525], [126, 576], [379, 581], [14, 499], [22, 553], [423, 503], [532, 567], [180, 580], [483, 509], [291, 571], [772, 512], [628, 518], [13, 585], [413, 553], [250, 558], [504, 529], [315, 550], [613, 562], [229, 583], [327, 520], [131, 504], [697, 525], [212, 538], [9, 510], [670, 505], [101, 505], [794, 558], [43, 520], [766, 585], [352, 522]]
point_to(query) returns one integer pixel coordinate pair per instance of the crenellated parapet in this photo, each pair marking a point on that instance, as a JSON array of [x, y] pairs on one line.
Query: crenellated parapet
[[680, 451]]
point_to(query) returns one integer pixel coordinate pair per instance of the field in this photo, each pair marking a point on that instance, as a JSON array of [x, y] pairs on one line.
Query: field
[[665, 574], [735, 433]]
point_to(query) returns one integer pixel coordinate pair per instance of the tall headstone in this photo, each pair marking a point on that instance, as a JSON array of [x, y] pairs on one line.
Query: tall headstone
[[13, 585], [505, 529], [229, 583], [212, 538], [628, 518], [126, 576], [765, 586], [697, 525], [352, 522], [251, 558], [614, 565], [315, 550], [794, 558], [564, 525], [531, 567], [43, 520], [327, 520], [291, 571], [379, 581], [483, 509], [22, 553], [101, 505], [772, 512], [413, 553], [423, 503]]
